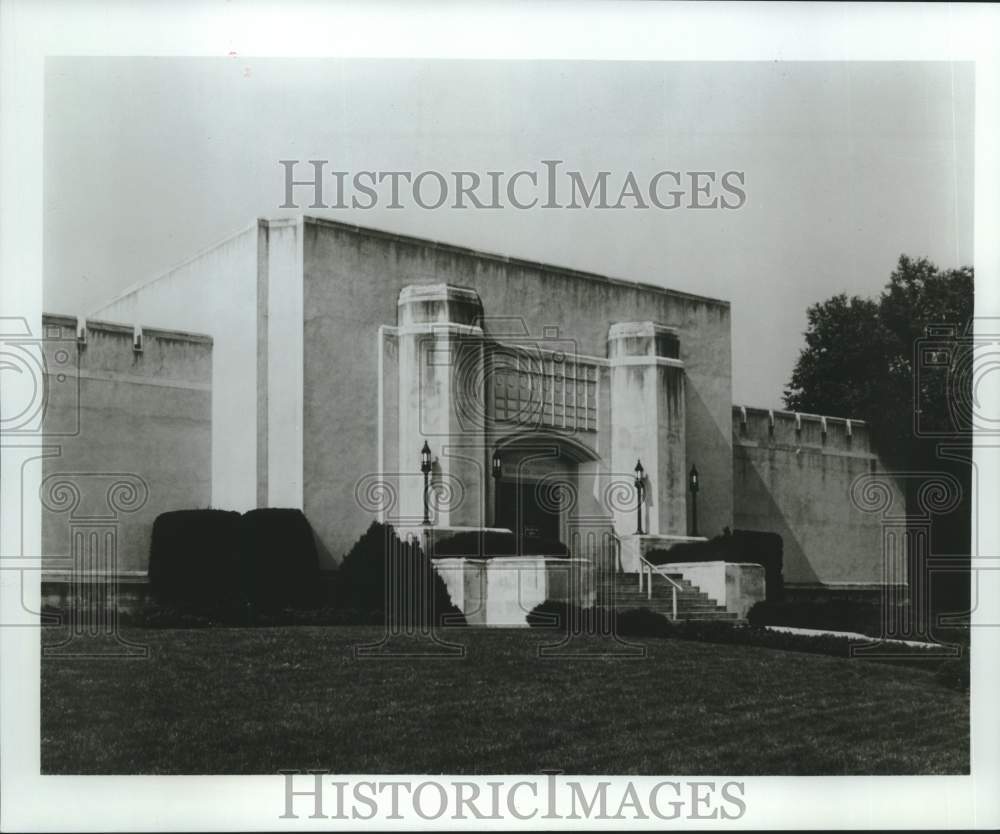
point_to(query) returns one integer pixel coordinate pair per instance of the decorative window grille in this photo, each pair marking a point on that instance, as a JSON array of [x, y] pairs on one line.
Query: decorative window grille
[[536, 388]]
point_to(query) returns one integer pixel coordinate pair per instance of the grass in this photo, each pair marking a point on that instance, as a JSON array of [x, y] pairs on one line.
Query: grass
[[258, 700]]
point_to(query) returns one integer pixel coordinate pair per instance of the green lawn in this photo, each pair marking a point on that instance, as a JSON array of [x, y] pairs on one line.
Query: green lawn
[[265, 699]]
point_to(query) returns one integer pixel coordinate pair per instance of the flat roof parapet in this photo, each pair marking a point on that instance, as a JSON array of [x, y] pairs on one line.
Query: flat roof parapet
[[467, 251], [797, 415], [75, 323]]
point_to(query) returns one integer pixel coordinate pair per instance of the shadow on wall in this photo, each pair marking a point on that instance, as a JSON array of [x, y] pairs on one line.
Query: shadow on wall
[[711, 450], [747, 480]]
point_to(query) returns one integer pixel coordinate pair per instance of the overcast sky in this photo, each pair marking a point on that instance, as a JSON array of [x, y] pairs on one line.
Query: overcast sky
[[149, 160]]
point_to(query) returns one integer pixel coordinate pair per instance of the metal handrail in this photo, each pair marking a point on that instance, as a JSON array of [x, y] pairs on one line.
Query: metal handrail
[[646, 566]]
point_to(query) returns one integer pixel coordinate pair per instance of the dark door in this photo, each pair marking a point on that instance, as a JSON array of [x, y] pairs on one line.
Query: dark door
[[519, 509]]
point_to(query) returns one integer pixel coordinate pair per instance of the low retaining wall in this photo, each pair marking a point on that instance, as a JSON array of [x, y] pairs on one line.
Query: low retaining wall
[[636, 545], [736, 585], [502, 591]]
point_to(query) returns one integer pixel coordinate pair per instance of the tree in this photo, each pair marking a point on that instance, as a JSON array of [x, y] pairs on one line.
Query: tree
[[834, 373], [901, 364], [860, 359]]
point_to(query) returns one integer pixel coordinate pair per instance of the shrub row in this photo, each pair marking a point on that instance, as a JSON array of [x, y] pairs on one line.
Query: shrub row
[[643, 623], [162, 615], [733, 546], [843, 614], [221, 561], [211, 567], [394, 579], [495, 543]]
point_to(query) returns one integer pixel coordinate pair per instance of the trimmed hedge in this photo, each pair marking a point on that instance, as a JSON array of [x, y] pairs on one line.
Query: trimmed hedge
[[279, 565], [737, 546], [216, 563], [491, 543], [393, 581], [841, 614], [644, 623], [194, 557], [835, 614], [210, 567]]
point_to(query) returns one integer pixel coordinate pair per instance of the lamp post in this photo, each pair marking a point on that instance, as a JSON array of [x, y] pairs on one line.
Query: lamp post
[[640, 492], [693, 486], [496, 467], [425, 467]]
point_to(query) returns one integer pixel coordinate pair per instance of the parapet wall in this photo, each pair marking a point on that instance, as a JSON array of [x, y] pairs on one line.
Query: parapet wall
[[798, 430], [127, 425], [793, 475]]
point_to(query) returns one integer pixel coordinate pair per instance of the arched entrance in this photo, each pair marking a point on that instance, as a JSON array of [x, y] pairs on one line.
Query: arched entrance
[[538, 487]]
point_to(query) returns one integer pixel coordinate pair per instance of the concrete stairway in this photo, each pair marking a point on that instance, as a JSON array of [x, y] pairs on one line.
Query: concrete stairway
[[621, 591]]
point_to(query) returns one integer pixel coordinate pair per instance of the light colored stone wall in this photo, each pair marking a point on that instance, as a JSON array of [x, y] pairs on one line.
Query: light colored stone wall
[[635, 547], [737, 586], [246, 292], [792, 478], [648, 424], [280, 351], [215, 293], [502, 591], [353, 278], [129, 437], [440, 361]]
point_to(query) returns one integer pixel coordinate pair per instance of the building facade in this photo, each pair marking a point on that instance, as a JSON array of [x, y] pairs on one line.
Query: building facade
[[338, 352]]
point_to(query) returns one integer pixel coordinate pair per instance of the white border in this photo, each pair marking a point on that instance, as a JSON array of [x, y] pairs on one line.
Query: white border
[[622, 31]]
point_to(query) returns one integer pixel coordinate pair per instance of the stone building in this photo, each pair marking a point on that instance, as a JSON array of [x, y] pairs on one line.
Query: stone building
[[337, 352]]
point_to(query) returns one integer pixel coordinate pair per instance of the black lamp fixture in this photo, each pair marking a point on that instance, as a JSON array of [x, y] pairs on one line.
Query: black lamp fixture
[[496, 467], [425, 467], [693, 487], [640, 494]]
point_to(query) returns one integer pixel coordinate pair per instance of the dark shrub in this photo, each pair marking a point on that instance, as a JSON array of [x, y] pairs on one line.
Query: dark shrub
[[549, 614], [193, 557], [637, 622], [835, 614], [415, 596], [564, 616], [739, 546], [642, 622], [280, 566], [492, 543], [846, 614]]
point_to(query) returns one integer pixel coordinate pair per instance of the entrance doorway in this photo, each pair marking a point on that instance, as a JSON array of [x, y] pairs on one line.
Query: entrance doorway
[[519, 509]]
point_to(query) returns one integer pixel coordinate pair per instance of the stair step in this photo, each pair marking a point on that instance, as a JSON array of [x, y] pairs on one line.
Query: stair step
[[692, 595], [657, 594], [721, 616], [621, 592]]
